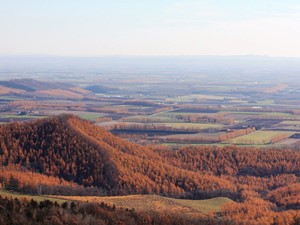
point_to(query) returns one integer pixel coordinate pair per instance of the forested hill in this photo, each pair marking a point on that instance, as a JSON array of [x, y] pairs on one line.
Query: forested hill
[[75, 150], [80, 152]]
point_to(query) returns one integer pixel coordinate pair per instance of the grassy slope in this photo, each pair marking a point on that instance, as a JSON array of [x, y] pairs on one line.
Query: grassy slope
[[157, 203], [205, 206], [138, 202], [10, 194]]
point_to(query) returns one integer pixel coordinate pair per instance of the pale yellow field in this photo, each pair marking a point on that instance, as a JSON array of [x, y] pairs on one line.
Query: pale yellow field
[[38, 198], [157, 203], [258, 137], [290, 122]]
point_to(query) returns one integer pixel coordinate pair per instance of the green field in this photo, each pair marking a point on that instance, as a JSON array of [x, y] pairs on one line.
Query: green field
[[150, 119], [92, 116], [266, 102], [256, 138]]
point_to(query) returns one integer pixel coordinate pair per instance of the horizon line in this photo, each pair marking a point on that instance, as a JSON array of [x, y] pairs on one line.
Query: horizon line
[[142, 56]]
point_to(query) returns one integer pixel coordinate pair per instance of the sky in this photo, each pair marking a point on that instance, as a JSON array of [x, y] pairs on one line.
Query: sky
[[150, 27]]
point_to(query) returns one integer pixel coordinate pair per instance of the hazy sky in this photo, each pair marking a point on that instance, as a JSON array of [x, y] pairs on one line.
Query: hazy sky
[[150, 27]]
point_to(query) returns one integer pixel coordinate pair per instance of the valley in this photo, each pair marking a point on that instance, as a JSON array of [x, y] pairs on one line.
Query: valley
[[219, 114], [151, 149]]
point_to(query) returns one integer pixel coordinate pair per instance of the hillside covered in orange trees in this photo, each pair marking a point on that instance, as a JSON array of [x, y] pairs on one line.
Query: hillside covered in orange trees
[[72, 156]]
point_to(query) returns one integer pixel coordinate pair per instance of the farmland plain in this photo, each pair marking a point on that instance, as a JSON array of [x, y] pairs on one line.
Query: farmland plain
[[185, 112]]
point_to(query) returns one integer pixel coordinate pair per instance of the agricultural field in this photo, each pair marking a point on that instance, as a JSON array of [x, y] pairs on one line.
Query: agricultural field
[[162, 109], [288, 125], [200, 138], [193, 126], [176, 126], [289, 142], [84, 115], [191, 98], [258, 138], [150, 119], [21, 117], [207, 126]]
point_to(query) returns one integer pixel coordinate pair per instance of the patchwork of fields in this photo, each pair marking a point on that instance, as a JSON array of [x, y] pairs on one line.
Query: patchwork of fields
[[173, 127], [160, 111]]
